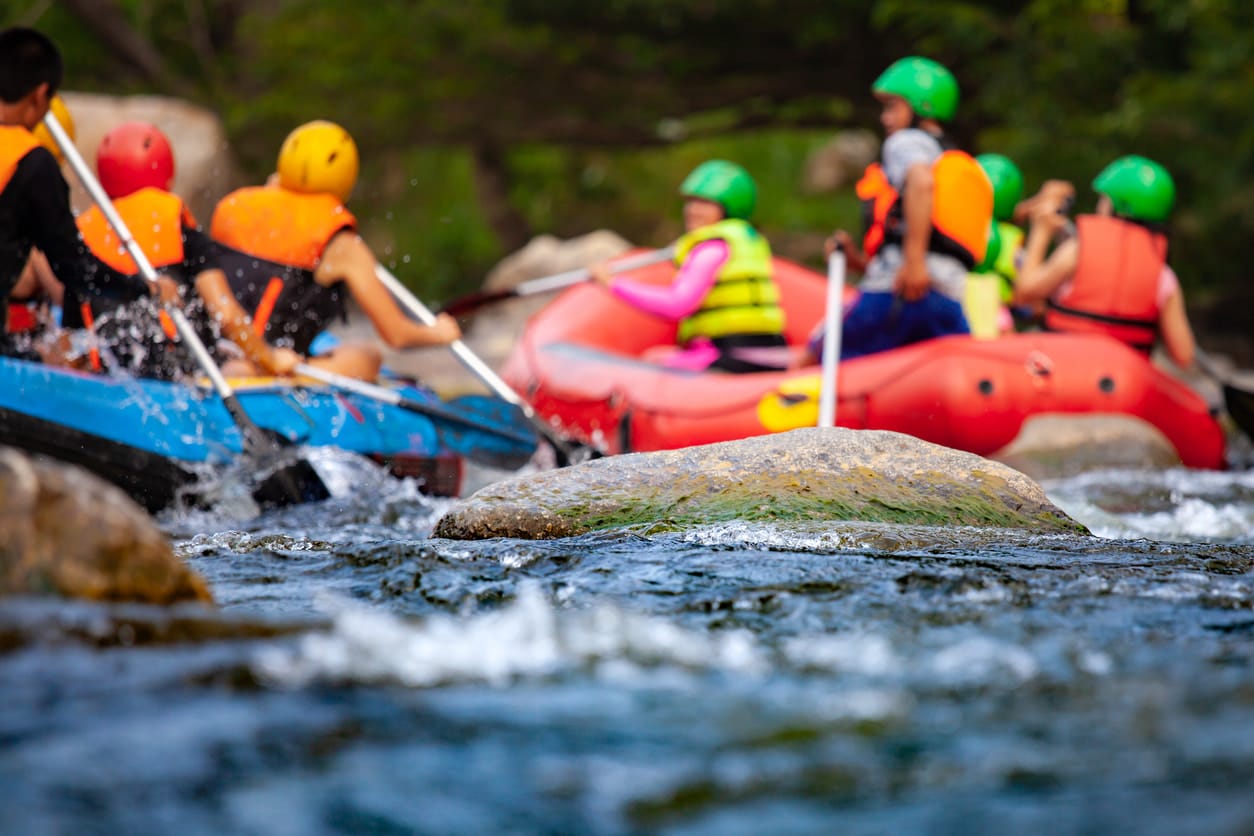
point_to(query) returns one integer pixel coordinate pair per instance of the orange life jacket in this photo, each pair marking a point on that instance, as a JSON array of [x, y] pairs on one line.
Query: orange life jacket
[[15, 143], [279, 225], [155, 219], [1115, 287], [878, 197], [283, 234], [962, 208]]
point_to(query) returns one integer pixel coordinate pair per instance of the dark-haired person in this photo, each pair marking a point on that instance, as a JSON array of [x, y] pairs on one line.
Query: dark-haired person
[[928, 209], [34, 197], [1112, 277]]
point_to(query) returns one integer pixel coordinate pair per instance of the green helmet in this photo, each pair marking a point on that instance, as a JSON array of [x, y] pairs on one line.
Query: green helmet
[[993, 251], [724, 183], [928, 87], [1007, 183], [1139, 188]]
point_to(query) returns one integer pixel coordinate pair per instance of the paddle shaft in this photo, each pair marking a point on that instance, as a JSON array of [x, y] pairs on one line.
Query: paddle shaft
[[254, 438], [582, 274], [555, 282], [391, 396], [472, 362], [832, 322]]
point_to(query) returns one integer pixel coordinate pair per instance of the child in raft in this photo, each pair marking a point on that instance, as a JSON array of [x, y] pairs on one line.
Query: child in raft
[[723, 297]]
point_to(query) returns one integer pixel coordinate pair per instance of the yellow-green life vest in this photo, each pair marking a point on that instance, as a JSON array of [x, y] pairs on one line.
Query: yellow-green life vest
[[1004, 243], [1004, 266], [744, 299]]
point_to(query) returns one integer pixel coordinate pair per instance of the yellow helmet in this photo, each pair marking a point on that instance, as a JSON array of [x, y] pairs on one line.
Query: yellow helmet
[[59, 110], [317, 157]]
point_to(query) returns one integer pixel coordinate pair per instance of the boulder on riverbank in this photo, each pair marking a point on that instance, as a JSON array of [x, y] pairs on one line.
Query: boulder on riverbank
[[495, 328], [805, 474], [65, 532], [1053, 446], [204, 169]]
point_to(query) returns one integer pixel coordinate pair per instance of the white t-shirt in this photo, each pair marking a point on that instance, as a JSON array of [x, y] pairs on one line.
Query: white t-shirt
[[900, 151]]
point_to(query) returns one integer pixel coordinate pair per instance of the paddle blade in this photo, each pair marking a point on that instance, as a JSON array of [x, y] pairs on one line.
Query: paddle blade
[[1240, 405], [293, 483], [506, 441]]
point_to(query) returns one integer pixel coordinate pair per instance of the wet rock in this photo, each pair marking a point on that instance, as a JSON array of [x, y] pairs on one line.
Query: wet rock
[[65, 532], [806, 474], [1057, 446], [204, 168]]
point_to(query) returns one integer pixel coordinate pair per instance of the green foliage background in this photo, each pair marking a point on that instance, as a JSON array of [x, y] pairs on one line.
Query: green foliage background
[[594, 112]]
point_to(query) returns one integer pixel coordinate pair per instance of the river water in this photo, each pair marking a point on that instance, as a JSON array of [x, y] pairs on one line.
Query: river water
[[363, 677]]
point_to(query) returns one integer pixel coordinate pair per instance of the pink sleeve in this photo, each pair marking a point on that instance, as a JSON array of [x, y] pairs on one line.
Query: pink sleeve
[[1168, 284], [683, 295]]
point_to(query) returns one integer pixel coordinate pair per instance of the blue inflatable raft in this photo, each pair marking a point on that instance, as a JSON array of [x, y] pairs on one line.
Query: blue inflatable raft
[[151, 437]]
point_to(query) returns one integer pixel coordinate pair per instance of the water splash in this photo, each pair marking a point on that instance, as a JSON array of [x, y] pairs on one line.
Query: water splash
[[528, 638], [1177, 505]]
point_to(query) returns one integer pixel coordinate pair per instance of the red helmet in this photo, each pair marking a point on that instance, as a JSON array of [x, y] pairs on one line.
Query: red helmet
[[133, 156]]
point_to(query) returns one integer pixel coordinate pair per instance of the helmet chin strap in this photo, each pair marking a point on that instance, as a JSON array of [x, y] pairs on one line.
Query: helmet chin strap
[[932, 127]]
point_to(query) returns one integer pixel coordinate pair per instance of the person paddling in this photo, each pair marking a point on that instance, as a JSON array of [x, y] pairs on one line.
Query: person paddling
[[295, 256], [928, 209], [723, 297], [35, 301], [135, 165], [1112, 277], [34, 196]]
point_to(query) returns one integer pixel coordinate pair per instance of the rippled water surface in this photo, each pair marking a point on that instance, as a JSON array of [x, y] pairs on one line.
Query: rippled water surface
[[362, 677]]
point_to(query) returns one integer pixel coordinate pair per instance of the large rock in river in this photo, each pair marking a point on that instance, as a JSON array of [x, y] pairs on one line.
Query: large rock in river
[[65, 532], [806, 474]]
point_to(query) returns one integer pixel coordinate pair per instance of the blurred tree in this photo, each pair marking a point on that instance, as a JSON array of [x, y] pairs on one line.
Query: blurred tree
[[521, 90]]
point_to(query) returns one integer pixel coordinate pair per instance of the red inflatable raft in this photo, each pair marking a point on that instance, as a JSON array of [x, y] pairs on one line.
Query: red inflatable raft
[[580, 365]]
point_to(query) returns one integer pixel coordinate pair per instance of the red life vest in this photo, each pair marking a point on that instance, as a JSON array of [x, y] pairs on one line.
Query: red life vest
[[1115, 287], [22, 318]]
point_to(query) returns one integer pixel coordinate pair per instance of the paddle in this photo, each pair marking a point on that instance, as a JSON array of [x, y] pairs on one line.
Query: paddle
[[290, 482], [474, 301], [833, 319], [520, 440], [563, 447], [1238, 400]]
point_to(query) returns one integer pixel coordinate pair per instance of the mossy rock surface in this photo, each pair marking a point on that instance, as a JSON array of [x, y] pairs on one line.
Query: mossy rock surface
[[806, 474]]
